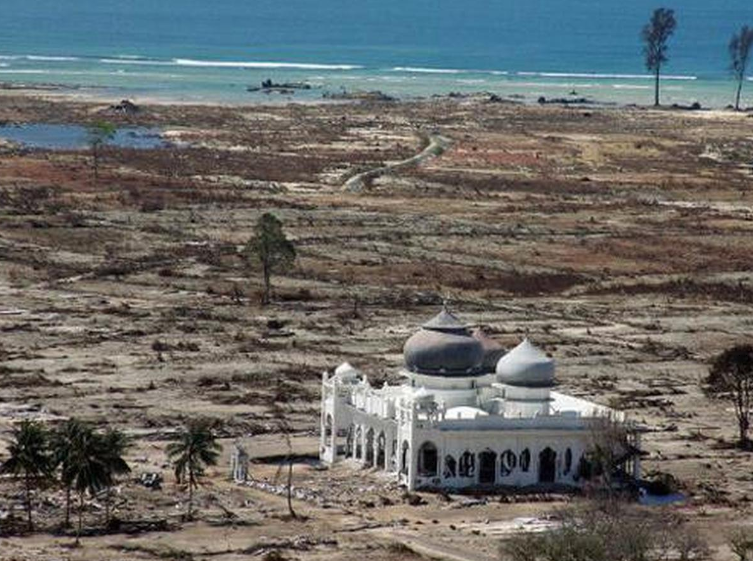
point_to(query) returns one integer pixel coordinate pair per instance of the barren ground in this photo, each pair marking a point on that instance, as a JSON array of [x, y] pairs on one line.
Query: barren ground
[[617, 239]]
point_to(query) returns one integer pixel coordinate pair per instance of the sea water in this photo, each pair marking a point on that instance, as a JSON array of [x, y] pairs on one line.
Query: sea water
[[51, 136], [198, 50]]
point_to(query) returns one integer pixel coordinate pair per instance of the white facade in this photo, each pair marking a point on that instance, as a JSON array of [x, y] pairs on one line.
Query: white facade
[[461, 429]]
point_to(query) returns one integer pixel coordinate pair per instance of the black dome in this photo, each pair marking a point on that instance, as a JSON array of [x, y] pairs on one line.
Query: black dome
[[444, 347], [493, 351]]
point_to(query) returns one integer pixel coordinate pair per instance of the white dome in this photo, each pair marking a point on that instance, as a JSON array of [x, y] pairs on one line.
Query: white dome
[[526, 366], [346, 371]]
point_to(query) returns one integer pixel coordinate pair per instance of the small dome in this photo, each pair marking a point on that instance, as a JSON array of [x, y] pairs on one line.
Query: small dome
[[493, 351], [526, 366], [444, 347], [346, 371]]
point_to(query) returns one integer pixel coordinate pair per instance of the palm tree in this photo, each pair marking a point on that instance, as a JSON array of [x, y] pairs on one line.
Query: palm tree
[[88, 469], [115, 444], [195, 449], [29, 459], [62, 445], [739, 52]]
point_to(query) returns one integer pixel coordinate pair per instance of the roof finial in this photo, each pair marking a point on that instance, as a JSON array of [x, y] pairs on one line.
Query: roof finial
[[446, 304]]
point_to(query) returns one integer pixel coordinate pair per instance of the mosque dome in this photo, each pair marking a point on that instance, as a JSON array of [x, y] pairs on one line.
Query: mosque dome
[[526, 366], [493, 351], [346, 371], [444, 347]]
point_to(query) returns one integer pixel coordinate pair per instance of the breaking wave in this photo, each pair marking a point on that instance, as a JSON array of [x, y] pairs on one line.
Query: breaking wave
[[598, 76], [262, 64], [40, 58], [420, 70], [136, 61]]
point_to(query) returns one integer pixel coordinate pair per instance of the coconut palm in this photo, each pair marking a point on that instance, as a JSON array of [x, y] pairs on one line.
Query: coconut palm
[[87, 468], [195, 449], [29, 459], [62, 444], [115, 443]]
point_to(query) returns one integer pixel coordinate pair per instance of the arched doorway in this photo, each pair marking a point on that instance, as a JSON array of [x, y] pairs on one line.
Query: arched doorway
[[370, 447], [487, 467], [359, 443], [428, 460], [381, 451], [547, 465]]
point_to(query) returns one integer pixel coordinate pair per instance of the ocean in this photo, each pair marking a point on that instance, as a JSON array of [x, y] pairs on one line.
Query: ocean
[[195, 50]]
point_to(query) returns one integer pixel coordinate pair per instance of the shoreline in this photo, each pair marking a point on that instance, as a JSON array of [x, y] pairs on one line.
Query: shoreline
[[56, 93]]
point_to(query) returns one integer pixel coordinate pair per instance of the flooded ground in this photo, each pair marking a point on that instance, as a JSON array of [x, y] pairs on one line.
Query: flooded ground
[[44, 136]]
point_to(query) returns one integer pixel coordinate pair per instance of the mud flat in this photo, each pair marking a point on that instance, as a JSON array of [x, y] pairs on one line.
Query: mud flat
[[618, 239]]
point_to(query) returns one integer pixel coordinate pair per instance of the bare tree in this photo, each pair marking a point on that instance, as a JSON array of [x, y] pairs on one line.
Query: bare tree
[[739, 53], [731, 378], [610, 449], [655, 35], [283, 426]]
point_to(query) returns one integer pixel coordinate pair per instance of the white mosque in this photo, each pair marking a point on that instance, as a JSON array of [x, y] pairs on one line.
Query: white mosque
[[467, 415]]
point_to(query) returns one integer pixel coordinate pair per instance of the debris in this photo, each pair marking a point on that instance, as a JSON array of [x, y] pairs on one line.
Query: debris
[[151, 480]]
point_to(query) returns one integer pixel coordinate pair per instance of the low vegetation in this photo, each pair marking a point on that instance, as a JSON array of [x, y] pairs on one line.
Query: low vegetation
[[610, 531]]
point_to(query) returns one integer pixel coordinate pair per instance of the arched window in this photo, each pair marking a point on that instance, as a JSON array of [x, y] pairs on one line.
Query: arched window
[[467, 465], [450, 467], [393, 455], [508, 462], [568, 461], [405, 458], [428, 460], [525, 460]]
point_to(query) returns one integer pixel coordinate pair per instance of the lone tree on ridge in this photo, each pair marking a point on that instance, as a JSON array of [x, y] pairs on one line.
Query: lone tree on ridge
[[731, 378], [195, 449], [270, 248], [739, 53], [655, 35]]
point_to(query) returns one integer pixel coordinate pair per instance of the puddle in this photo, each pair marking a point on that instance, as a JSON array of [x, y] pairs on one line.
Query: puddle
[[75, 137], [660, 500]]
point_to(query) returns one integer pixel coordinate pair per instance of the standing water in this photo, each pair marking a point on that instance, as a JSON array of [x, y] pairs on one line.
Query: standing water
[[75, 137]]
